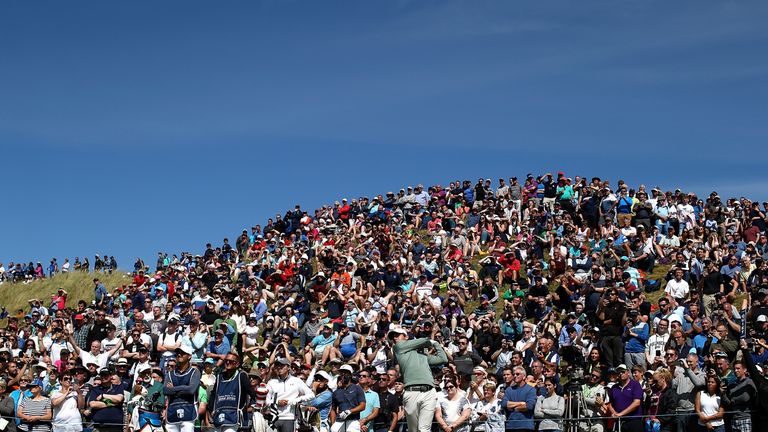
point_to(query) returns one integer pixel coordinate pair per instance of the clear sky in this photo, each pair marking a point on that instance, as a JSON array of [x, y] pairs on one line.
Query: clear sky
[[129, 127]]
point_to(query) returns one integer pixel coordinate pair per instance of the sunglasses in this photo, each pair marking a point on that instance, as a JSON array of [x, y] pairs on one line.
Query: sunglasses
[[448, 387], [229, 361]]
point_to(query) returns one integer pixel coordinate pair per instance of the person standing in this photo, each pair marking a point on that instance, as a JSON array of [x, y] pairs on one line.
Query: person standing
[[594, 396], [419, 398], [739, 398], [519, 403], [372, 402], [66, 402], [550, 408], [386, 421], [321, 403], [687, 380], [105, 403], [180, 389], [347, 403], [35, 411], [610, 313], [489, 411], [453, 409], [285, 391], [626, 398], [661, 403], [709, 407], [230, 396]]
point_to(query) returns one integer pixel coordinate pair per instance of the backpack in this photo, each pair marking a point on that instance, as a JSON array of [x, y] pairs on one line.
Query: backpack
[[304, 419], [651, 285]]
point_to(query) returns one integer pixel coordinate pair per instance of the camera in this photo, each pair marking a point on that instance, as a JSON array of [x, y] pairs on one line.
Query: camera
[[575, 379], [750, 344]]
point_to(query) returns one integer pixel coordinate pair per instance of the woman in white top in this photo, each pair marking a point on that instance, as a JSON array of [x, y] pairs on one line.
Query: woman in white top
[[66, 402], [453, 409], [251, 332], [489, 411], [709, 408]]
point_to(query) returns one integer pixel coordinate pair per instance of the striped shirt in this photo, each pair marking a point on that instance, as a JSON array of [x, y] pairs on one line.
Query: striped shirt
[[35, 407]]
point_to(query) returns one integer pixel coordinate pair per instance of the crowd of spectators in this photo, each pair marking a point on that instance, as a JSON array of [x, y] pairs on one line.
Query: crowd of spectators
[[28, 272], [538, 291]]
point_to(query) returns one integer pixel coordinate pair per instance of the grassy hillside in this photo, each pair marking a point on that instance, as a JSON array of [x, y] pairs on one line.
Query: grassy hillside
[[79, 286]]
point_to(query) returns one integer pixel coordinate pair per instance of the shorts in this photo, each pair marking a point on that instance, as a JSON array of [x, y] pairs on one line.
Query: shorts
[[348, 350]]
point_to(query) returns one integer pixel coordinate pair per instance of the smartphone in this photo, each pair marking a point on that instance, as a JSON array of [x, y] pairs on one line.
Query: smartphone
[[658, 353]]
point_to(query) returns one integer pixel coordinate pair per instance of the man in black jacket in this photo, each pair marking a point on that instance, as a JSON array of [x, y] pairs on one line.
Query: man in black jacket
[[739, 399], [761, 383], [611, 313]]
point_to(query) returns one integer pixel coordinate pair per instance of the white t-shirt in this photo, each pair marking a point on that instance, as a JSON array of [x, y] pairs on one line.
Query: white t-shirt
[[710, 405], [678, 290], [67, 413], [107, 344], [251, 336], [100, 360], [423, 290], [656, 343]]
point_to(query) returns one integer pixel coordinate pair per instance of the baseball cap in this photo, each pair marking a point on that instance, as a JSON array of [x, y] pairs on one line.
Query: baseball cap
[[347, 368], [186, 349], [283, 361], [35, 382], [622, 368], [762, 318], [396, 331], [323, 375]]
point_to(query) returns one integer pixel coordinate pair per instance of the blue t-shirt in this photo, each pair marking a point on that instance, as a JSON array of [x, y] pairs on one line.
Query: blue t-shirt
[[224, 348], [371, 402], [320, 341]]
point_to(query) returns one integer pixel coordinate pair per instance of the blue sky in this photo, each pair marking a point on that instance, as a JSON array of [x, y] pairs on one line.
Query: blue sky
[[132, 127]]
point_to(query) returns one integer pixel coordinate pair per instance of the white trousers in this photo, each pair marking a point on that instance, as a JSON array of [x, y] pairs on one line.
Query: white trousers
[[180, 427], [419, 409], [346, 426]]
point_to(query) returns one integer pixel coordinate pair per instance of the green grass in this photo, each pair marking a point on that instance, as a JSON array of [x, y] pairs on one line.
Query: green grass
[[78, 285]]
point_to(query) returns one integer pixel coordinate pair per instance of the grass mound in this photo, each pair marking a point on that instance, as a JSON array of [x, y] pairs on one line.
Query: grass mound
[[78, 285]]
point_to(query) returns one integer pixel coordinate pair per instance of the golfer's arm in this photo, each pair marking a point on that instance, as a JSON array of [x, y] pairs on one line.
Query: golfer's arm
[[410, 345]]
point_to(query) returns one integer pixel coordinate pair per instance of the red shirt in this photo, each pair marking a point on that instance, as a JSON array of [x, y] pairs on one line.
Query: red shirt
[[344, 212]]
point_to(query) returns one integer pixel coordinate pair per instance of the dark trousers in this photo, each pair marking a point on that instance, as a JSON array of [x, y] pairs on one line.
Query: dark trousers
[[612, 350], [634, 425], [685, 420]]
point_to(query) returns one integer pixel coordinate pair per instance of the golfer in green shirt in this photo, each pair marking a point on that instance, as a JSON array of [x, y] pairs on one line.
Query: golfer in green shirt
[[419, 398]]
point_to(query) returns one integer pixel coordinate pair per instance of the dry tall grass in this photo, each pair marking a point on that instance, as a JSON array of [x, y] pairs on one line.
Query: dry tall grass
[[79, 286]]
